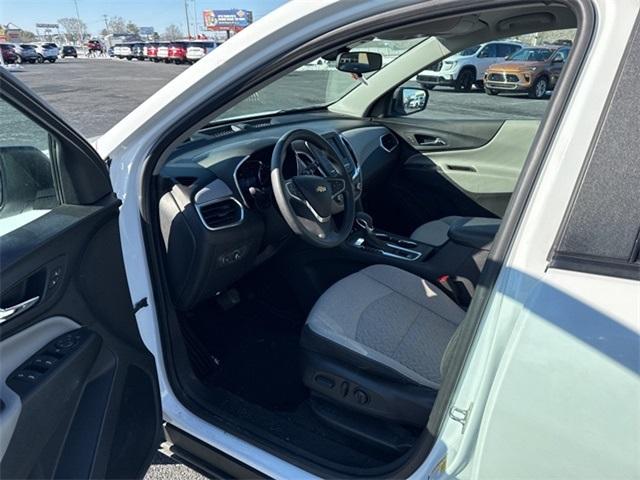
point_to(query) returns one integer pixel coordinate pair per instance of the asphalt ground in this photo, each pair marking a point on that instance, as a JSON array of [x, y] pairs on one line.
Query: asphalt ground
[[94, 94]]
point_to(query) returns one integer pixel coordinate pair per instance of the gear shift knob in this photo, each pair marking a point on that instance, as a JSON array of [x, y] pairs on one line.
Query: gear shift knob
[[364, 221]]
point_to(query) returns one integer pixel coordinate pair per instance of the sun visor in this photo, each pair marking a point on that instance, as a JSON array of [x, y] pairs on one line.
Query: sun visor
[[441, 28]]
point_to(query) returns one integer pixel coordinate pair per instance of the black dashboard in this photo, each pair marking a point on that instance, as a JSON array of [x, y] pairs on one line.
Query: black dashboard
[[217, 213]]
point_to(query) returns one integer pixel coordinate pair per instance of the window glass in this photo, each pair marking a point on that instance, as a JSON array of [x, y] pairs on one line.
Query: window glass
[[469, 51], [27, 188], [488, 51], [531, 55], [315, 84], [517, 64]]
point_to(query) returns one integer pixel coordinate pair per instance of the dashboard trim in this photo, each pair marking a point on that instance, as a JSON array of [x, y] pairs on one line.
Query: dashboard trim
[[235, 179]]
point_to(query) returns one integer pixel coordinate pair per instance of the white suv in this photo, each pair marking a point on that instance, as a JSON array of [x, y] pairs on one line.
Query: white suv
[[466, 68], [47, 51]]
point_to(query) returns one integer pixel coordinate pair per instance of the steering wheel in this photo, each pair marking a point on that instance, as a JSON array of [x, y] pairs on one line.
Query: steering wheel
[[323, 189]]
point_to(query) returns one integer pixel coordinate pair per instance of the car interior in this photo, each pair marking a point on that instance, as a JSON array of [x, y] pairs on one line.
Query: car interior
[[317, 266]]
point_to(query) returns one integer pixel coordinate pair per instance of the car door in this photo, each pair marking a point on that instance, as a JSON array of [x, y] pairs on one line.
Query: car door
[[79, 395]]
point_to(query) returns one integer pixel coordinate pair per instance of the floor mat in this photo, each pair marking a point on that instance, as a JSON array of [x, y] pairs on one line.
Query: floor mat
[[264, 370], [256, 381], [256, 345]]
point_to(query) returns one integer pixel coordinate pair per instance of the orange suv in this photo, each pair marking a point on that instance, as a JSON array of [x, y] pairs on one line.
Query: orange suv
[[532, 70]]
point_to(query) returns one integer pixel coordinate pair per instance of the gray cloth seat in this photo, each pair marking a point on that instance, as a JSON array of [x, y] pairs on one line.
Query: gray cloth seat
[[436, 232], [388, 321]]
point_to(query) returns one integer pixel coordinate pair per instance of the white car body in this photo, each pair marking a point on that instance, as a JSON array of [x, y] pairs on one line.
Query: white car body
[[550, 386], [506, 378], [197, 50], [451, 67], [122, 51], [163, 52], [47, 50]]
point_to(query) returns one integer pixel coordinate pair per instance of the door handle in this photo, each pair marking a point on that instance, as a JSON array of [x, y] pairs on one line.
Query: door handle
[[10, 312], [430, 141]]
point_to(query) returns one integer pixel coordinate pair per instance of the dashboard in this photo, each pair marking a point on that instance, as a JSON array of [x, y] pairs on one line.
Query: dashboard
[[217, 212]]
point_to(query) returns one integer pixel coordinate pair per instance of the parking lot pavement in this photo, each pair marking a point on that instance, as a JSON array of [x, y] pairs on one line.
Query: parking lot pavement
[[94, 94], [164, 468]]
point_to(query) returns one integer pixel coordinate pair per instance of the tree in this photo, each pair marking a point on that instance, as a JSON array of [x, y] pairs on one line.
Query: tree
[[74, 28], [132, 28], [117, 25], [172, 32], [27, 36]]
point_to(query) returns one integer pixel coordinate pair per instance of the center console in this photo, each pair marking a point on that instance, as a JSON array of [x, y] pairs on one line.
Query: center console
[[367, 239]]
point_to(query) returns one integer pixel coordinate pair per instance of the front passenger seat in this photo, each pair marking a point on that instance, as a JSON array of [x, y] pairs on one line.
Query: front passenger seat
[[374, 342]]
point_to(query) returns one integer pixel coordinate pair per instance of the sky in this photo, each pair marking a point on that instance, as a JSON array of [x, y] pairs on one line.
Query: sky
[[145, 13]]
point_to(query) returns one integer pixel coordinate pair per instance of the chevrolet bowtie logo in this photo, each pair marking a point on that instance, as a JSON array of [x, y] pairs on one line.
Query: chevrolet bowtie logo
[[321, 189]]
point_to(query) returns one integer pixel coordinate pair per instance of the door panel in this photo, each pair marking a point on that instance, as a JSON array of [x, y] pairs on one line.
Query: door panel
[[472, 174], [79, 389], [494, 167], [456, 134], [96, 393]]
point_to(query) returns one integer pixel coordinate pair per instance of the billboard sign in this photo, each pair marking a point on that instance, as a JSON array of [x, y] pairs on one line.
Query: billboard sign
[[10, 34], [235, 20], [146, 31]]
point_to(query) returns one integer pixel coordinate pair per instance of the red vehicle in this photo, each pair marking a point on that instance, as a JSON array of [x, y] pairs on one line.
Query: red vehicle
[[9, 54], [178, 52], [152, 51]]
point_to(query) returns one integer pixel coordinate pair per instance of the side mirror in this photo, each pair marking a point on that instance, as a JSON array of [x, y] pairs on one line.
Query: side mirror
[[359, 62], [557, 60], [408, 100]]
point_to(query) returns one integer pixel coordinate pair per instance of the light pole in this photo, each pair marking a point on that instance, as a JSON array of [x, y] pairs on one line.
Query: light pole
[[186, 15], [195, 20]]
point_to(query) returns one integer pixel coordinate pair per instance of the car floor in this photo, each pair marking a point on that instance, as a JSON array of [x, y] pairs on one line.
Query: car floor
[[250, 361]]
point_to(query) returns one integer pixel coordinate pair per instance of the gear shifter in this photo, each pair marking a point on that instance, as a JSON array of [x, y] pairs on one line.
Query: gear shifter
[[364, 222]]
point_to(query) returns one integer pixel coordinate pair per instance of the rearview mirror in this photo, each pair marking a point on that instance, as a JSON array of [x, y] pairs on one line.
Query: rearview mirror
[[359, 62], [408, 100]]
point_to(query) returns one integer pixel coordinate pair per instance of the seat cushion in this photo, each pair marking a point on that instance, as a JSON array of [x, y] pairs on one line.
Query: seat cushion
[[387, 317], [435, 233]]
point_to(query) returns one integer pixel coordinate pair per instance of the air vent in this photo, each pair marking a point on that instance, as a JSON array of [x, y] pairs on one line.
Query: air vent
[[389, 142], [259, 123], [218, 132], [220, 214]]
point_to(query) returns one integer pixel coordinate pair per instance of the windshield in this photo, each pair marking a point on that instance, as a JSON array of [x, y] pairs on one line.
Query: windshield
[[531, 55], [315, 84]]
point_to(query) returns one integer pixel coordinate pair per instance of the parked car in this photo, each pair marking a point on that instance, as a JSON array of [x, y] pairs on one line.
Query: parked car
[[162, 54], [123, 50], [26, 53], [198, 49], [68, 51], [533, 70], [9, 54], [110, 52], [206, 272], [467, 67], [47, 51], [152, 51], [177, 52], [137, 51]]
